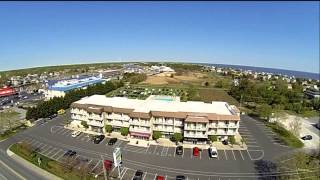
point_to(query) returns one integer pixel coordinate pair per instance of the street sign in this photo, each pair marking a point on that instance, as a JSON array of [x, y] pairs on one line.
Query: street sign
[[117, 157]]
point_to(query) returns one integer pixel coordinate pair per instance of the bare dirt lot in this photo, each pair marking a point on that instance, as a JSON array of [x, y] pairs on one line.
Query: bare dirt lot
[[189, 77]]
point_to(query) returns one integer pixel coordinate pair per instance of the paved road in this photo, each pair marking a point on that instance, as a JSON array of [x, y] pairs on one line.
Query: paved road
[[54, 140]]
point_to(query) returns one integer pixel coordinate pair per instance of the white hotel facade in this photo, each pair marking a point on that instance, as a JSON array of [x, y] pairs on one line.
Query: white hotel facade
[[195, 120]]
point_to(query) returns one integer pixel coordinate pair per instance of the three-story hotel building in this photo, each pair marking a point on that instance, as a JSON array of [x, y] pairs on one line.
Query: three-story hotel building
[[195, 120]]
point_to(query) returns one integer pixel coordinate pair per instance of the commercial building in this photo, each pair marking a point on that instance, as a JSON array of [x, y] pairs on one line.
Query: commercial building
[[195, 120], [60, 88], [7, 91]]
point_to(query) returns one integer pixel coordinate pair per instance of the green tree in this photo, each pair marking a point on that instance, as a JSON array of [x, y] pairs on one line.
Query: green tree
[[232, 140], [206, 83], [264, 110], [156, 135], [108, 128], [124, 131], [177, 137], [213, 138], [85, 124]]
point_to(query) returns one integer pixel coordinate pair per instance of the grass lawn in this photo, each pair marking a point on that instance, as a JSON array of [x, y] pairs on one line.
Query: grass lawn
[[285, 136], [216, 94], [11, 132], [48, 164]]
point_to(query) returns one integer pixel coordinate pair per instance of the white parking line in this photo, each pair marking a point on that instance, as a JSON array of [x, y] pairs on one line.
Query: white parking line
[[60, 131], [65, 132], [125, 170], [155, 176], [155, 150], [51, 151], [200, 153], [233, 155], [47, 148], [95, 166], [225, 154], [162, 150], [175, 150], [144, 176], [147, 149], [59, 150], [42, 146], [60, 156]]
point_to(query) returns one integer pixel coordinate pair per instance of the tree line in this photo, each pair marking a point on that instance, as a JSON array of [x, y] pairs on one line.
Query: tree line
[[47, 108], [265, 96]]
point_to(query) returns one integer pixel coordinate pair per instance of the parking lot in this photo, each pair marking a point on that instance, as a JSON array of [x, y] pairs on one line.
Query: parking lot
[[54, 140], [254, 153]]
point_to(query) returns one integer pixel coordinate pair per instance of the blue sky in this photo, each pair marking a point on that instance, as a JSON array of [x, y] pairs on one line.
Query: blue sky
[[267, 34]]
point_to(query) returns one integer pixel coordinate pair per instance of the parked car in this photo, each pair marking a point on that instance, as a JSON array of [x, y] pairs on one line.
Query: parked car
[[160, 177], [97, 139], [180, 177], [213, 153], [179, 150], [112, 141], [70, 153], [225, 142], [52, 116], [138, 175], [75, 133], [307, 137], [196, 151]]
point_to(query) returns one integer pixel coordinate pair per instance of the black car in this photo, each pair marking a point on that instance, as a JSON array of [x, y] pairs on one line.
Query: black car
[[225, 142], [179, 150], [307, 137], [70, 153], [138, 175], [180, 177], [52, 116], [97, 139], [112, 141]]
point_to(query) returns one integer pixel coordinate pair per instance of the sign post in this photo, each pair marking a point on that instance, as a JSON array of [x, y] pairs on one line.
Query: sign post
[[117, 159]]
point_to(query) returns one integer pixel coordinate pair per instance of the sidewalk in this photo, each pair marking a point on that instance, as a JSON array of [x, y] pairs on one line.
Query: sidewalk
[[32, 167]]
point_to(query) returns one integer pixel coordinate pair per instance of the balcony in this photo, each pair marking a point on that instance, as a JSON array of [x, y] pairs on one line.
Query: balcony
[[119, 117], [140, 123], [140, 130], [120, 123], [198, 128], [95, 117], [79, 117], [95, 123], [159, 128], [195, 135]]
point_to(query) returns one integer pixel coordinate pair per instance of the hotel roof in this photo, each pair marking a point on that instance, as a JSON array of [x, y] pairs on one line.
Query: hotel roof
[[216, 110]]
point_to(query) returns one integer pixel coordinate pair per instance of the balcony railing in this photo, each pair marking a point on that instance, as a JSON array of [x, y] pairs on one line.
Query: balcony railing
[[195, 128], [195, 135], [142, 130], [95, 123]]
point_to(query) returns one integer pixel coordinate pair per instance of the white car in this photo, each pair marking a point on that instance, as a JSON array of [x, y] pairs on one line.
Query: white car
[[213, 153], [75, 133]]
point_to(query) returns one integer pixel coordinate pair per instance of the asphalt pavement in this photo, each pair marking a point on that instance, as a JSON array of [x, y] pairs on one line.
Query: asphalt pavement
[[54, 140]]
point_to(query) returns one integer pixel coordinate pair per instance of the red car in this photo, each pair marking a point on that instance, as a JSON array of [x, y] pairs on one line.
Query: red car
[[196, 151], [160, 178]]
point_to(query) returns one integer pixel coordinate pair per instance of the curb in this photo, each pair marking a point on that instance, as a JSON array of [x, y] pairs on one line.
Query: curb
[[27, 164]]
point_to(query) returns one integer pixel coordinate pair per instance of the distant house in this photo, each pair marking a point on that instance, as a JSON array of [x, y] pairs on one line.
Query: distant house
[[312, 93]]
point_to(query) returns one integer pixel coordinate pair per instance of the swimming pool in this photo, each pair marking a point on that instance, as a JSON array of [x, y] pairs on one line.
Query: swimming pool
[[164, 98]]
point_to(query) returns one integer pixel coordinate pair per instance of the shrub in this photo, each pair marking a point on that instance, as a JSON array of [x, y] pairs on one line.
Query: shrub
[[213, 138], [85, 124], [156, 135], [124, 131], [108, 128]]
